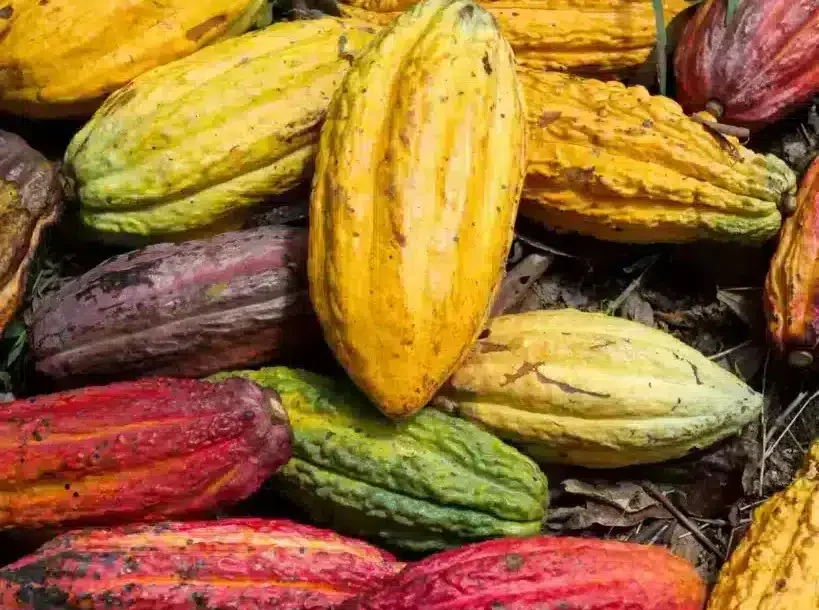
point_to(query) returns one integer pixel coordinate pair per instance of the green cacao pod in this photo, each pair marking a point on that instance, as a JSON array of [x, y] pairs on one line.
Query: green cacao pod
[[185, 149], [428, 482], [596, 390]]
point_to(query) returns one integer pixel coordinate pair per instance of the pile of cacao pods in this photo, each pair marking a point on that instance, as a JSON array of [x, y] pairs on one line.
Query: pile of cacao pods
[[422, 131]]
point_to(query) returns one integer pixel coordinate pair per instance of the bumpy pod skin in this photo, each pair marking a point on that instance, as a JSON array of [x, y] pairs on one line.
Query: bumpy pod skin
[[252, 564], [595, 390], [424, 484], [60, 58], [191, 145], [774, 567], [414, 199], [30, 197], [758, 68], [590, 37], [185, 310], [550, 573], [792, 285], [137, 451], [619, 164]]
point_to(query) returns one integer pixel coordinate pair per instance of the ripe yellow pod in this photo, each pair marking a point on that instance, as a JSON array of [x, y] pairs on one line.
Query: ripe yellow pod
[[418, 176], [61, 58]]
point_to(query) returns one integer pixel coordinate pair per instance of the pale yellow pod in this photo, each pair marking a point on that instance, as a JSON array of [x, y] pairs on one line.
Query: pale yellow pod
[[594, 390], [415, 194]]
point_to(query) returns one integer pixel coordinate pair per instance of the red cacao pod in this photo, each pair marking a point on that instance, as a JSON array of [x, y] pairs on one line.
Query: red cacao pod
[[758, 68], [792, 285], [137, 451], [184, 310], [30, 197], [249, 564], [540, 573]]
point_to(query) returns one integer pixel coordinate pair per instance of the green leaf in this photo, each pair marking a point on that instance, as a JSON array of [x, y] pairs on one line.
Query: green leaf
[[659, 19], [730, 10]]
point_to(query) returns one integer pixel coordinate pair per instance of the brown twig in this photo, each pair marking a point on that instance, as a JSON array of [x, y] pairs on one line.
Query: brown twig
[[785, 415], [678, 514], [618, 302], [741, 133], [730, 350], [796, 416]]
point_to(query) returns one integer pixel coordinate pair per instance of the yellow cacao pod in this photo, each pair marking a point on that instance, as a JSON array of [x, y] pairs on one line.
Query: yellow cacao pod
[[619, 164], [586, 37], [774, 566], [186, 149], [416, 190], [60, 58], [595, 390]]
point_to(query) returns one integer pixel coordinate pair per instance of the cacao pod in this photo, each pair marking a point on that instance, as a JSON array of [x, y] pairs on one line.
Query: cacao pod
[[595, 390], [60, 58], [137, 451], [181, 310], [792, 284], [425, 483], [30, 197], [192, 145], [558, 573], [619, 164], [594, 37], [414, 200], [774, 566], [252, 564], [753, 70]]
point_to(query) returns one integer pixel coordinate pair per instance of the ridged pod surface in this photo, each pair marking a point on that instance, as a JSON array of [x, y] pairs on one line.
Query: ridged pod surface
[[553, 573], [774, 566], [757, 68], [137, 451], [60, 58], [586, 37], [426, 483], [619, 164], [596, 390], [30, 198], [414, 200], [792, 285], [192, 144], [252, 564], [186, 310]]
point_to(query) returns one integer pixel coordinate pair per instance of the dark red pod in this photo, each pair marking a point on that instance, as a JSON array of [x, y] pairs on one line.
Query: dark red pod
[[184, 310], [244, 564], [758, 68], [137, 451], [554, 573]]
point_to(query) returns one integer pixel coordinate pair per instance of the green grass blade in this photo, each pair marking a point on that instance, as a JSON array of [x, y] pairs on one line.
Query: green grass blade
[[659, 19], [730, 10]]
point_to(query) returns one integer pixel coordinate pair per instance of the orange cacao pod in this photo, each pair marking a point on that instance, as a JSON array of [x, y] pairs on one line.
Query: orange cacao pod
[[792, 285], [533, 573], [137, 451], [251, 564]]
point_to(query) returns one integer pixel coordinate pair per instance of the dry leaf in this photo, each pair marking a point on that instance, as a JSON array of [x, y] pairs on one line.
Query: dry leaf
[[747, 305], [638, 309]]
